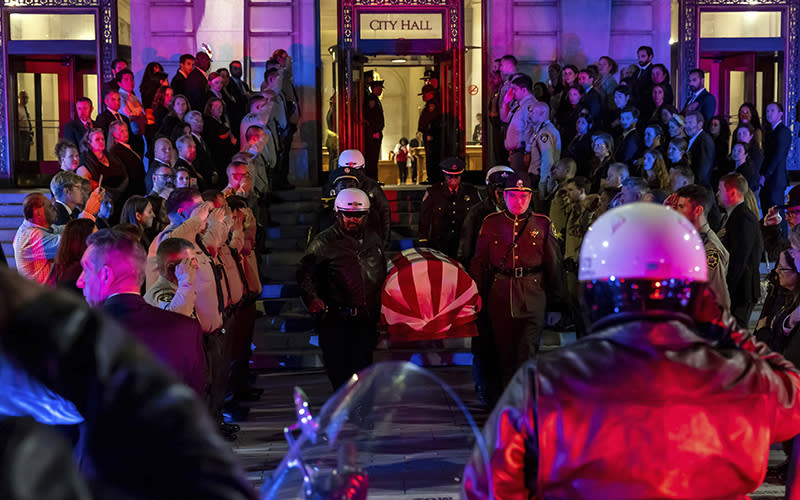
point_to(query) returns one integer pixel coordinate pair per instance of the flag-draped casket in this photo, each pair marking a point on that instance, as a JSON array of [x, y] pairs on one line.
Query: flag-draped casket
[[428, 296]]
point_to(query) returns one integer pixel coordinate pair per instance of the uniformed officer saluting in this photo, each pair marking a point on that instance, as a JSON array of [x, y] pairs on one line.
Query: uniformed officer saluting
[[516, 267], [341, 277], [444, 208]]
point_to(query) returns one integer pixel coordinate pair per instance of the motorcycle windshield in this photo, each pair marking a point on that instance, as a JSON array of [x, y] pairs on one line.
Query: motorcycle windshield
[[396, 431]]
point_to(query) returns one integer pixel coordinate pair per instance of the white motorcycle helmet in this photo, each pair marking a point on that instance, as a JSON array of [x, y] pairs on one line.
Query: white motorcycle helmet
[[495, 175], [351, 158], [640, 258], [351, 200]]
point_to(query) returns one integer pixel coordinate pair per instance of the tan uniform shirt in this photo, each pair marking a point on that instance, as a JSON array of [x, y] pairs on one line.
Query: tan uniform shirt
[[717, 257], [167, 295], [519, 125], [207, 303], [545, 148]]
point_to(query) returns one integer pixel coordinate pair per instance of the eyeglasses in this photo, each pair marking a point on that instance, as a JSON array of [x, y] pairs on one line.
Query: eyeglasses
[[354, 215], [168, 176]]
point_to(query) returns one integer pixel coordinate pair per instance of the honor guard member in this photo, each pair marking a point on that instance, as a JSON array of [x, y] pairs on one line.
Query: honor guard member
[[544, 147], [516, 267], [662, 363], [444, 208], [380, 215], [491, 203], [484, 372], [341, 278], [373, 128], [341, 178], [521, 102]]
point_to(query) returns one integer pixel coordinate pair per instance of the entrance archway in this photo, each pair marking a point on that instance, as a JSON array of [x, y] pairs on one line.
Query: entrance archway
[[374, 32]]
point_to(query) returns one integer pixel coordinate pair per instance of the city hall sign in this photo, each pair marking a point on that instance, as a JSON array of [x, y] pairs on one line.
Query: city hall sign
[[395, 26]]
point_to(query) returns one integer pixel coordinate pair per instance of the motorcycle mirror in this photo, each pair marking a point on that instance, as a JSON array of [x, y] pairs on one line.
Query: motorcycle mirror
[[305, 420]]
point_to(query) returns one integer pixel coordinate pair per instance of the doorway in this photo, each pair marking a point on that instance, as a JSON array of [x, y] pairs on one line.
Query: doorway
[[738, 77], [399, 40], [46, 89]]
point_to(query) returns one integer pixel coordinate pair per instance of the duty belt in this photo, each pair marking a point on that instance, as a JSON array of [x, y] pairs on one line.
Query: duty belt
[[519, 272]]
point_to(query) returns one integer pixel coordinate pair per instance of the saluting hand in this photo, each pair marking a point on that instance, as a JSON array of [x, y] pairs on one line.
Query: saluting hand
[[773, 217]]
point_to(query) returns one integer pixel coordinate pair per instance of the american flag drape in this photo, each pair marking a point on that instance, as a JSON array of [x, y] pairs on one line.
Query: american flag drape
[[428, 296]]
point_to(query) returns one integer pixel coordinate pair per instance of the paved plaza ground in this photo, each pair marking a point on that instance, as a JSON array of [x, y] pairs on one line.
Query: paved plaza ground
[[261, 444]]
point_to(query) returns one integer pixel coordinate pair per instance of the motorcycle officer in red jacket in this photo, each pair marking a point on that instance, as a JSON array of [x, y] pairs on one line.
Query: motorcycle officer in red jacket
[[661, 400]]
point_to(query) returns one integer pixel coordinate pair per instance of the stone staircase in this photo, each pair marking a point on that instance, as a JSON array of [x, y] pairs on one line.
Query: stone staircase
[[11, 217], [284, 336]]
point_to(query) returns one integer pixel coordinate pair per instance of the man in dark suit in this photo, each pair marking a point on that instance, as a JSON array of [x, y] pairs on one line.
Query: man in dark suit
[[699, 99], [77, 128], [742, 239], [69, 198], [777, 141], [629, 144], [111, 113], [701, 148], [197, 81], [113, 274], [591, 100], [178, 82], [643, 78], [203, 163], [240, 92]]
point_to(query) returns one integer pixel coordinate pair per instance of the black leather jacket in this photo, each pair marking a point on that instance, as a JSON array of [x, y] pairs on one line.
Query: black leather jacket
[[643, 409], [342, 271], [147, 436]]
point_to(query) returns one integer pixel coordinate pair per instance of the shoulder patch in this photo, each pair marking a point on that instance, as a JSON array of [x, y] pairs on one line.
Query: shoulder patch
[[165, 297], [712, 258]]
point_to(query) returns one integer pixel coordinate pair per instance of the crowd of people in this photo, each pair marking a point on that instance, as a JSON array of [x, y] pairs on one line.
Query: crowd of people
[[172, 250], [159, 214], [590, 116]]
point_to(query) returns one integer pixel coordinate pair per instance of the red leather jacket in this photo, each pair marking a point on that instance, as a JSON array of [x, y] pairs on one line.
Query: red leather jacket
[[645, 409]]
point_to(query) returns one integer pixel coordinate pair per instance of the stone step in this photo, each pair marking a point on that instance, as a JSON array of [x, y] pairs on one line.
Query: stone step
[[287, 323], [283, 258], [282, 305], [11, 221], [298, 194], [288, 231], [15, 196], [7, 235], [281, 274], [287, 359], [10, 209], [408, 193], [277, 290], [405, 206], [408, 219], [290, 244], [398, 245], [294, 207], [293, 218], [277, 341]]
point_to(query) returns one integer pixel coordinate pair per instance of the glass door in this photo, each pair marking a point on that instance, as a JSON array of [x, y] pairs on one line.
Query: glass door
[[43, 108]]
